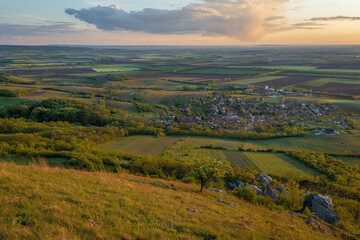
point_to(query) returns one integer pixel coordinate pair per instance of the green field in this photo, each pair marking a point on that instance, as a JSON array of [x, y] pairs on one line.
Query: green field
[[167, 97], [195, 142], [276, 164], [323, 143], [270, 163], [46, 94], [229, 71], [124, 106], [140, 145], [8, 101], [350, 160], [117, 68], [255, 80], [150, 83]]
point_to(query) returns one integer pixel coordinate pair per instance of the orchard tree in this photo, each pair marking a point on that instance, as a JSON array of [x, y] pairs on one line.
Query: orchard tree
[[210, 170]]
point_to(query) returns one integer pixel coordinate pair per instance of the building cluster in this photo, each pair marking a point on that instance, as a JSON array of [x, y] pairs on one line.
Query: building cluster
[[219, 111]]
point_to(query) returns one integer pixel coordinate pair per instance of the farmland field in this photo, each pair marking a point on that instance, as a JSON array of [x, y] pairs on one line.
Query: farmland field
[[140, 145], [195, 142], [167, 97], [350, 160], [117, 68], [46, 94], [255, 80], [323, 143], [286, 81], [124, 106], [271, 163], [226, 71], [8, 101], [151, 83]]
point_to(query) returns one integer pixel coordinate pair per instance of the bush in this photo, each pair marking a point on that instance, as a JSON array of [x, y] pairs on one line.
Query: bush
[[247, 193]]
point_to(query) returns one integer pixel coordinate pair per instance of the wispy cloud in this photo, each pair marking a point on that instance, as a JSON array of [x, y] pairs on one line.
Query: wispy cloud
[[336, 18], [36, 30], [308, 25], [241, 19]]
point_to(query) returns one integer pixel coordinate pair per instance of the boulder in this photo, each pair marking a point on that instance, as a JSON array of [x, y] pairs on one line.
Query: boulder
[[264, 179], [192, 210], [216, 190], [236, 184], [225, 202], [259, 192], [269, 191], [322, 207]]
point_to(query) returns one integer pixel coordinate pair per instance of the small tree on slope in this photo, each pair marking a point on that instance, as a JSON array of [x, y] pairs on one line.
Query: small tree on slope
[[210, 170]]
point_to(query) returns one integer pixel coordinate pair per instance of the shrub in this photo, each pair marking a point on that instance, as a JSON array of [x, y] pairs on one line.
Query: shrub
[[247, 193]]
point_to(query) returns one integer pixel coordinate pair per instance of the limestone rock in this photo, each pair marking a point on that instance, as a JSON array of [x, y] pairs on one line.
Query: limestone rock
[[269, 191], [216, 190], [259, 192], [225, 202], [264, 179], [322, 207], [236, 184]]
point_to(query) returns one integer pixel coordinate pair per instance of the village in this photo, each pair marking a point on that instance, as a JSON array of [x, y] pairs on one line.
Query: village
[[234, 113]]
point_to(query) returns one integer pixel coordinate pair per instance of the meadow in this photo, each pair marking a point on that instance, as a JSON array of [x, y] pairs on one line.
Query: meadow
[[39, 202]]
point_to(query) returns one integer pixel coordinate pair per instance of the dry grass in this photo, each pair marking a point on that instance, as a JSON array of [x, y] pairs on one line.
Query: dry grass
[[38, 202]]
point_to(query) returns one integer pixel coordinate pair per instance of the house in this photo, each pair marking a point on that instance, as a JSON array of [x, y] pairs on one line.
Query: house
[[329, 130]]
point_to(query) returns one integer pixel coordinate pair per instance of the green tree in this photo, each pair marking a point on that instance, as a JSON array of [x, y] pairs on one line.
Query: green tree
[[210, 170], [294, 198]]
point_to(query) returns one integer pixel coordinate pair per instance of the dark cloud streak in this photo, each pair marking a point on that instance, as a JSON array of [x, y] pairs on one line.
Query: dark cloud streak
[[336, 18]]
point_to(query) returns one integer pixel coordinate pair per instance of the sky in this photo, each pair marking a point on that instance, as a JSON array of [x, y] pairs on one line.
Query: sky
[[180, 22]]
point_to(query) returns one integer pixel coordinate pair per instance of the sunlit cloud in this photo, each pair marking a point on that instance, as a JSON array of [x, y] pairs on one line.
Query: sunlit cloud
[[242, 19]]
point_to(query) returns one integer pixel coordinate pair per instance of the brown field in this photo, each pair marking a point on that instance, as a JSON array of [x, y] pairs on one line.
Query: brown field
[[350, 66], [52, 71], [201, 77], [336, 88], [282, 82], [167, 97], [82, 89], [151, 83], [37, 93]]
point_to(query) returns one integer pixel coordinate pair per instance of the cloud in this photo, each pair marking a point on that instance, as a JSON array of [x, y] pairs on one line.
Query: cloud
[[308, 25], [242, 19], [336, 18], [36, 30], [313, 23]]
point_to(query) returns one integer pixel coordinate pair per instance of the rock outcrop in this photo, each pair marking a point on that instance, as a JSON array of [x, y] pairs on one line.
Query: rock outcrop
[[269, 192], [322, 206], [265, 186], [264, 179], [259, 192], [236, 184], [216, 190]]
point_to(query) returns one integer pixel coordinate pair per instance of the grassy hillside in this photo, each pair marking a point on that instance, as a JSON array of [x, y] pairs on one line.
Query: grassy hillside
[[38, 202]]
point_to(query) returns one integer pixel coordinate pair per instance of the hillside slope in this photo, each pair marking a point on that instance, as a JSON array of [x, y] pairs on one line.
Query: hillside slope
[[38, 202]]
